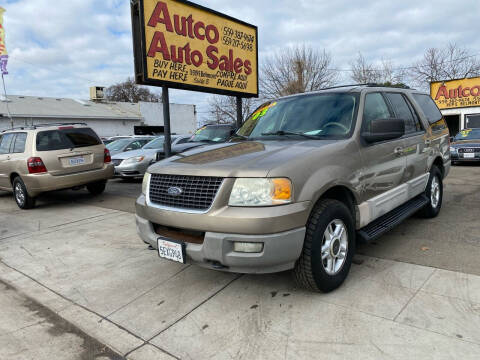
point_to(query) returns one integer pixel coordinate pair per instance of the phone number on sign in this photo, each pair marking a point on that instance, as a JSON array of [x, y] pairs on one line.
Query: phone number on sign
[[238, 39]]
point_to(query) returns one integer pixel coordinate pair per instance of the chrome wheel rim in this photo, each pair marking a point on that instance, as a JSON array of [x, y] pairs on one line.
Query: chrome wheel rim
[[19, 194], [435, 192], [334, 247]]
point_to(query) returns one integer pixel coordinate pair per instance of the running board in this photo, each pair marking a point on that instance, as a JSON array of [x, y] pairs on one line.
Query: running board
[[391, 219]]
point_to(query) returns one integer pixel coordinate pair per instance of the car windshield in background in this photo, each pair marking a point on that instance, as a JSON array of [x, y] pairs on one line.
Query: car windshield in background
[[118, 145], [155, 144], [68, 138], [314, 116], [468, 134], [212, 134]]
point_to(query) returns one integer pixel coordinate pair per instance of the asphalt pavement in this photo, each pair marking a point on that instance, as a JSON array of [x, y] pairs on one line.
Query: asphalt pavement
[[77, 282]]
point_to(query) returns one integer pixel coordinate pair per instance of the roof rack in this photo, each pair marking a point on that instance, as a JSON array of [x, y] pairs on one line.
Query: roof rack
[[59, 124], [395, 86], [32, 127]]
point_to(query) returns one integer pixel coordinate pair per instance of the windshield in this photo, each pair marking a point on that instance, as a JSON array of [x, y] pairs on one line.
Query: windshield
[[118, 144], [212, 134], [328, 115], [155, 144], [468, 134]]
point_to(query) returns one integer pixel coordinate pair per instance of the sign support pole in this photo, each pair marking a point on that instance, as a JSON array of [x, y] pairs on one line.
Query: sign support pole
[[166, 122], [239, 112]]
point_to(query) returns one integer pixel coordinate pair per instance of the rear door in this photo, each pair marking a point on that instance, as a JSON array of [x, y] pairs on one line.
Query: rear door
[[384, 162], [69, 149], [416, 146], [6, 142]]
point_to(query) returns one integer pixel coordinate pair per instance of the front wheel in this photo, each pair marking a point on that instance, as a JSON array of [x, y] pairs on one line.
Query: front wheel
[[23, 200], [434, 193], [97, 188], [328, 248]]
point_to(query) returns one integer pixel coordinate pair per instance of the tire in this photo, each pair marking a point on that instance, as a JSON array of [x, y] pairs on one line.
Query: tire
[[432, 209], [23, 200], [97, 188], [313, 273]]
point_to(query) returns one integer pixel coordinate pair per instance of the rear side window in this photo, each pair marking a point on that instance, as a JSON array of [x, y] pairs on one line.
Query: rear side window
[[5, 143], [20, 140], [66, 139], [429, 107]]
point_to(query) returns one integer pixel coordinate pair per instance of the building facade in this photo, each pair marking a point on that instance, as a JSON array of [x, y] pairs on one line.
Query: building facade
[[107, 118]]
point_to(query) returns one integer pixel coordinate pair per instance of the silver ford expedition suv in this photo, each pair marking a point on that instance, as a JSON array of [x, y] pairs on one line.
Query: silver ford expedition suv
[[305, 178]]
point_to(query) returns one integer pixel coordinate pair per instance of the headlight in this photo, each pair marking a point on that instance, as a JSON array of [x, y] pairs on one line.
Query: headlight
[[146, 181], [452, 149], [133, 160], [261, 192]]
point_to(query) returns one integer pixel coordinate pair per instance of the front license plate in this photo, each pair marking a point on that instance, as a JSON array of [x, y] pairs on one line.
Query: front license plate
[[171, 250], [469, 155], [77, 160]]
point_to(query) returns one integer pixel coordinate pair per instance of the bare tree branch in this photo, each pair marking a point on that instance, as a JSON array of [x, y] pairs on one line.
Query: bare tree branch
[[448, 63], [381, 73], [296, 70], [129, 91], [223, 109]]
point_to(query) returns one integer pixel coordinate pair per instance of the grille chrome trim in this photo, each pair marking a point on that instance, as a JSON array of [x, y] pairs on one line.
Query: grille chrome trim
[[184, 209]]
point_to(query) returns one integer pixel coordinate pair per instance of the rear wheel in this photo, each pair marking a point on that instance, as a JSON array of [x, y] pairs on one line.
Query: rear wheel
[[434, 192], [23, 200], [328, 248], [97, 188]]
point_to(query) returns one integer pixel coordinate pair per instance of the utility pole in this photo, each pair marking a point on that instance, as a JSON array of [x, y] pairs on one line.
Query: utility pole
[[166, 122], [239, 112]]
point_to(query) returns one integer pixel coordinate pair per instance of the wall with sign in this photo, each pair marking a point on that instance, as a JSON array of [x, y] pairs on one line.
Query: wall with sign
[[183, 45], [459, 102]]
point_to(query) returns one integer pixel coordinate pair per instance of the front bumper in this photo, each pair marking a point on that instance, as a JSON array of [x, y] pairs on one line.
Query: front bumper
[[280, 250], [455, 156], [39, 183]]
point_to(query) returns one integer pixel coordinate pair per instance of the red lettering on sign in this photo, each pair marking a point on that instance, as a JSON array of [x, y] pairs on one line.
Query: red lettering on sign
[[156, 18], [159, 45], [442, 91]]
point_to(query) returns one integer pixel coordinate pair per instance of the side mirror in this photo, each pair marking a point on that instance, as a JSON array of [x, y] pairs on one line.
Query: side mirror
[[384, 129]]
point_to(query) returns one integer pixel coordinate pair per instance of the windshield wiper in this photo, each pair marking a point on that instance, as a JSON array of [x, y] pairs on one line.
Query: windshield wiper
[[283, 133]]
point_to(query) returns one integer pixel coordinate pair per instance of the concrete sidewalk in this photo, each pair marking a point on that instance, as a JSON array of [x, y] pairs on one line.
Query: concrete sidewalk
[[87, 265]]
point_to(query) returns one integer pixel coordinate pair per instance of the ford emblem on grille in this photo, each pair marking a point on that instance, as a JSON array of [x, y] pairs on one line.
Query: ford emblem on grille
[[174, 191]]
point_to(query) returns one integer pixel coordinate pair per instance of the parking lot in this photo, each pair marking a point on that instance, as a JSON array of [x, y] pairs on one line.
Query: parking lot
[[82, 274]]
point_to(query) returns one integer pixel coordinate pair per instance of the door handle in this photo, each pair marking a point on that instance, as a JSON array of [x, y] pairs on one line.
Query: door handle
[[398, 151]]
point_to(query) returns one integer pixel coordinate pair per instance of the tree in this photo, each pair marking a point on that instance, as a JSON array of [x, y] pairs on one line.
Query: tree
[[296, 70], [129, 91], [448, 63], [382, 73], [223, 109]]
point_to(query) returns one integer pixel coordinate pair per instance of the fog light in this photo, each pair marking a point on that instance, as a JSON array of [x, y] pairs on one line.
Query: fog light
[[248, 247]]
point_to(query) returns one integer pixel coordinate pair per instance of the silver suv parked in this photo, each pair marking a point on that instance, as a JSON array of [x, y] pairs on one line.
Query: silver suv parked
[[307, 177]]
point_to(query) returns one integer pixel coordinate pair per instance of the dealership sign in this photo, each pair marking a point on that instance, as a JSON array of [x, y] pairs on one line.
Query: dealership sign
[[186, 46], [456, 93]]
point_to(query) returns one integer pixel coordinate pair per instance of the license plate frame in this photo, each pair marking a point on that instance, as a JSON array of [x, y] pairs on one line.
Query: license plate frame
[[77, 160], [469, 155], [177, 249]]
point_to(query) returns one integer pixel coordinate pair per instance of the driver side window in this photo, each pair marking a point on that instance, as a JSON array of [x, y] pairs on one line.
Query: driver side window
[[375, 108]]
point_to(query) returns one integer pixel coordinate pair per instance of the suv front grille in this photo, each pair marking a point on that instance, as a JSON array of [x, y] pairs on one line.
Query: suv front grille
[[186, 192]]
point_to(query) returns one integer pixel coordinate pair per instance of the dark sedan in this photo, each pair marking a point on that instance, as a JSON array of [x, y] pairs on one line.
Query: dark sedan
[[466, 146]]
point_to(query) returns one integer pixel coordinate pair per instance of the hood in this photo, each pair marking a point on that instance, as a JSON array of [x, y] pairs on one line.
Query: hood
[[138, 152], [246, 158], [466, 143]]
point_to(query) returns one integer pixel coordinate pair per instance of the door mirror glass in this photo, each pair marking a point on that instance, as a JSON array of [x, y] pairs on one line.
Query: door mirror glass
[[384, 129]]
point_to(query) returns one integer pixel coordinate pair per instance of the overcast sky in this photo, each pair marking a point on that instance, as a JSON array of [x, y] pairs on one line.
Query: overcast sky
[[60, 48]]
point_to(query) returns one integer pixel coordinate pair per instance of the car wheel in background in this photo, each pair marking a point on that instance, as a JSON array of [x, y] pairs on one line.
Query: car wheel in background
[[97, 188], [434, 193], [328, 248], [23, 200]]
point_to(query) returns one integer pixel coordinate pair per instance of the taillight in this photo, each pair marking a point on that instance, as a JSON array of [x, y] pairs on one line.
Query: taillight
[[106, 156], [35, 165]]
